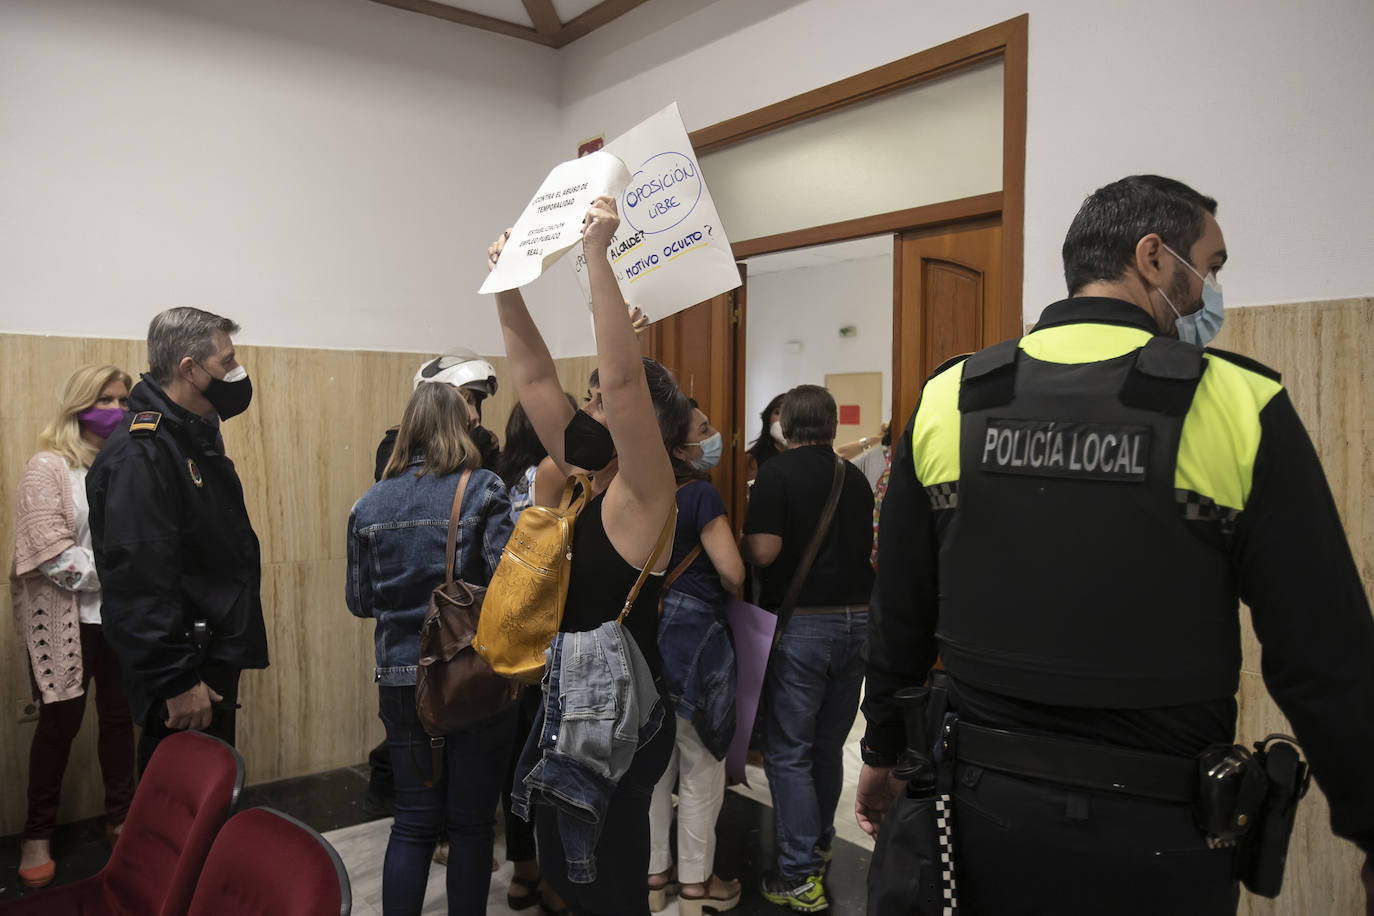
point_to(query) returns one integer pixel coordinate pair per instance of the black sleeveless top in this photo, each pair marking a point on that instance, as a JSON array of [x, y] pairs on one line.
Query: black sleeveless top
[[601, 581]]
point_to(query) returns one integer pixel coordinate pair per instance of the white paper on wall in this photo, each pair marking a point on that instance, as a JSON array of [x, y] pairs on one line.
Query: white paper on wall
[[670, 251], [552, 221]]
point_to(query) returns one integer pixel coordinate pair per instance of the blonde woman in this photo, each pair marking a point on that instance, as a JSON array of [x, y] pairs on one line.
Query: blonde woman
[[56, 598]]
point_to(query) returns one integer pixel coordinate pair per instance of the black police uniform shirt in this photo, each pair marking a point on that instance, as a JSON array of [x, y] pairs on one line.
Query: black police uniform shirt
[[173, 544], [787, 499], [1277, 533]]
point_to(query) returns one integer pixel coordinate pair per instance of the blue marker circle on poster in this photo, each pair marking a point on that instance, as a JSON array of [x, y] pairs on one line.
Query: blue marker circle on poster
[[663, 193]]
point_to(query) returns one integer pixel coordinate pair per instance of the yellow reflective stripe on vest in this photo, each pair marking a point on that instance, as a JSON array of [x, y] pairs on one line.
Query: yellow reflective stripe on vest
[[1221, 434], [1083, 343], [935, 434]]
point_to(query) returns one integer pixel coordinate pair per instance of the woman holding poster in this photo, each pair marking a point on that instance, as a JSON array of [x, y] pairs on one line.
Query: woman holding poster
[[623, 436]]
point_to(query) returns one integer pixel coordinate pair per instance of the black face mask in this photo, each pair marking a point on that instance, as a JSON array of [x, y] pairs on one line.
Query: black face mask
[[229, 398], [586, 443]]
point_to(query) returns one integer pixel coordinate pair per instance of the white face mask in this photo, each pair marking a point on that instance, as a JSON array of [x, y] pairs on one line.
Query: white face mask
[[1202, 326], [776, 432]]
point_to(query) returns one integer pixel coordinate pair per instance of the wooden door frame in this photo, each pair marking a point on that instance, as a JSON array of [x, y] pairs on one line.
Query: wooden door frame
[[1006, 41]]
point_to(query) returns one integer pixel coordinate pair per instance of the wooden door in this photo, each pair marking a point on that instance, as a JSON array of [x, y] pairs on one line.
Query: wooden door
[[699, 346], [946, 283]]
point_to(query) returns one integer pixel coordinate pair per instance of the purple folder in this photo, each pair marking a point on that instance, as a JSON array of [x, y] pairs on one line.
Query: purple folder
[[752, 628]]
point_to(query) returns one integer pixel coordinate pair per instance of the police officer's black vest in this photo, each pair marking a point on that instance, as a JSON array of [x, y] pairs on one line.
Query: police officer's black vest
[[1068, 575]]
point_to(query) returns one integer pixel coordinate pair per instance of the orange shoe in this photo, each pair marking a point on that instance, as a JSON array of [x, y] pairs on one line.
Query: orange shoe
[[39, 875]]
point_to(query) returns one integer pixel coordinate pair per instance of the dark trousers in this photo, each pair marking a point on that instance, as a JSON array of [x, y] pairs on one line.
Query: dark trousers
[[622, 853], [381, 782], [520, 832], [222, 680], [1025, 847], [460, 806], [58, 724]]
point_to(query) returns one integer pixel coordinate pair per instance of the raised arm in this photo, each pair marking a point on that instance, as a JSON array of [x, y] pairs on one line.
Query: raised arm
[[641, 495], [531, 367]]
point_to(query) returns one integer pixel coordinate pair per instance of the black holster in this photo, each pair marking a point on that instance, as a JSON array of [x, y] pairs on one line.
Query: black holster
[[1264, 851], [907, 874]]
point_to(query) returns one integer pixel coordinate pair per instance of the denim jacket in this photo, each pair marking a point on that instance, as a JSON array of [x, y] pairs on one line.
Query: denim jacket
[[396, 535], [699, 667], [600, 706]]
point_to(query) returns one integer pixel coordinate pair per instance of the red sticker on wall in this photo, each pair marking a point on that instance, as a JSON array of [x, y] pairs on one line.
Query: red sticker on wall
[[849, 414]]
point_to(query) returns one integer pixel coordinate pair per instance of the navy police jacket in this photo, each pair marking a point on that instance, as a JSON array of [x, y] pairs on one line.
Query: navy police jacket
[[173, 545]]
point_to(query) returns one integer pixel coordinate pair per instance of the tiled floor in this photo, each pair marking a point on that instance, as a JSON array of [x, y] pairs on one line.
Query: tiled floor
[[744, 850], [335, 804]]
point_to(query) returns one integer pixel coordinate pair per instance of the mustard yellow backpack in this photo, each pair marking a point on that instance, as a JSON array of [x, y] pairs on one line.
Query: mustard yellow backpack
[[524, 601]]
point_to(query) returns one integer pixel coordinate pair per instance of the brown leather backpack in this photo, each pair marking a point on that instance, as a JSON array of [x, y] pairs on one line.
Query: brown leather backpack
[[455, 686]]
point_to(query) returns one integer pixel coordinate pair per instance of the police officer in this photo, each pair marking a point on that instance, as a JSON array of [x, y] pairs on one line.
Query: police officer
[[177, 557], [1070, 521]]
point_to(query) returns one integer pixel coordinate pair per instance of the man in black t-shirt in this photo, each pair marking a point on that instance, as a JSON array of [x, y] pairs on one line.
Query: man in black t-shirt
[[812, 692]]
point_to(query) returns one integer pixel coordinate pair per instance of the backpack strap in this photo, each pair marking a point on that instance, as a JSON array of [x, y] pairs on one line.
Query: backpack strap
[[572, 499], [451, 544], [664, 537], [681, 568], [436, 745], [813, 547]]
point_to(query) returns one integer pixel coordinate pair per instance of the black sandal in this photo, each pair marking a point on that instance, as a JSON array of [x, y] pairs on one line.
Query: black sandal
[[526, 900]]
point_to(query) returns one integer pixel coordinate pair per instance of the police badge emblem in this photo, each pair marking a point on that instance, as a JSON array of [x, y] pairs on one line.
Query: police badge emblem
[[195, 472]]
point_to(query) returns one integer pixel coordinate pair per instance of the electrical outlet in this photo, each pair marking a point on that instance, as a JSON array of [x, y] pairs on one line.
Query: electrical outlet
[[28, 711]]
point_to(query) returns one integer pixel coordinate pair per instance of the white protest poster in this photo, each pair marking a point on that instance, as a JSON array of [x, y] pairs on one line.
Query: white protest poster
[[552, 221], [670, 251]]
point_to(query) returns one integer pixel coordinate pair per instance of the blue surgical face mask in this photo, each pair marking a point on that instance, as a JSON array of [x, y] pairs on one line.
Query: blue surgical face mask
[[1202, 326], [710, 453]]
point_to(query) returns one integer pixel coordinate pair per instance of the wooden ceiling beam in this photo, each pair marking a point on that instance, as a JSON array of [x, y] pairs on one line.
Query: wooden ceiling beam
[[594, 18], [544, 17], [476, 20]]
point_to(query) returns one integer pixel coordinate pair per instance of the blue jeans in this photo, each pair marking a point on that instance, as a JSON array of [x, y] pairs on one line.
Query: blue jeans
[[464, 797], [811, 698]]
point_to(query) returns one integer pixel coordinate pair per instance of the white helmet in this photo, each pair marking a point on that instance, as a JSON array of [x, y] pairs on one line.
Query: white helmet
[[460, 368]]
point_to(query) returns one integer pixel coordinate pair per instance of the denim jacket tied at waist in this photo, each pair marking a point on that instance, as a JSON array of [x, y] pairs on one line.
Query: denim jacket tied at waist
[[600, 706], [699, 667]]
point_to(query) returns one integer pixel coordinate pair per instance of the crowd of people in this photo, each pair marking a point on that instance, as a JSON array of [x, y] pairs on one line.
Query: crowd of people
[[136, 566]]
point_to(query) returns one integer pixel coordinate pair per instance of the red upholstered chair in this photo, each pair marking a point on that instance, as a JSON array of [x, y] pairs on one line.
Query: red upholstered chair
[[265, 863], [188, 790]]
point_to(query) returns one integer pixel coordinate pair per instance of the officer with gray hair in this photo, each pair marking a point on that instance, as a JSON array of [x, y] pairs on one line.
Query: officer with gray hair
[[176, 554]]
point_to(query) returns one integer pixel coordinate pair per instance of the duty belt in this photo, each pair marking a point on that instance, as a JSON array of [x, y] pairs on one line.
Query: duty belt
[[1081, 764]]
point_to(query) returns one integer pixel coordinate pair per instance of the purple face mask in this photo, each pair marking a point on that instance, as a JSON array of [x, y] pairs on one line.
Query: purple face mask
[[101, 421]]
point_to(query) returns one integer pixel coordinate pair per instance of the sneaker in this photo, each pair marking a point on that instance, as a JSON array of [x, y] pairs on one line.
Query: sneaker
[[806, 895], [824, 852]]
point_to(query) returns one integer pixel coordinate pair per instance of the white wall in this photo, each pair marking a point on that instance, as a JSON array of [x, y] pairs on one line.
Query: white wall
[[809, 305], [1263, 104], [327, 172]]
